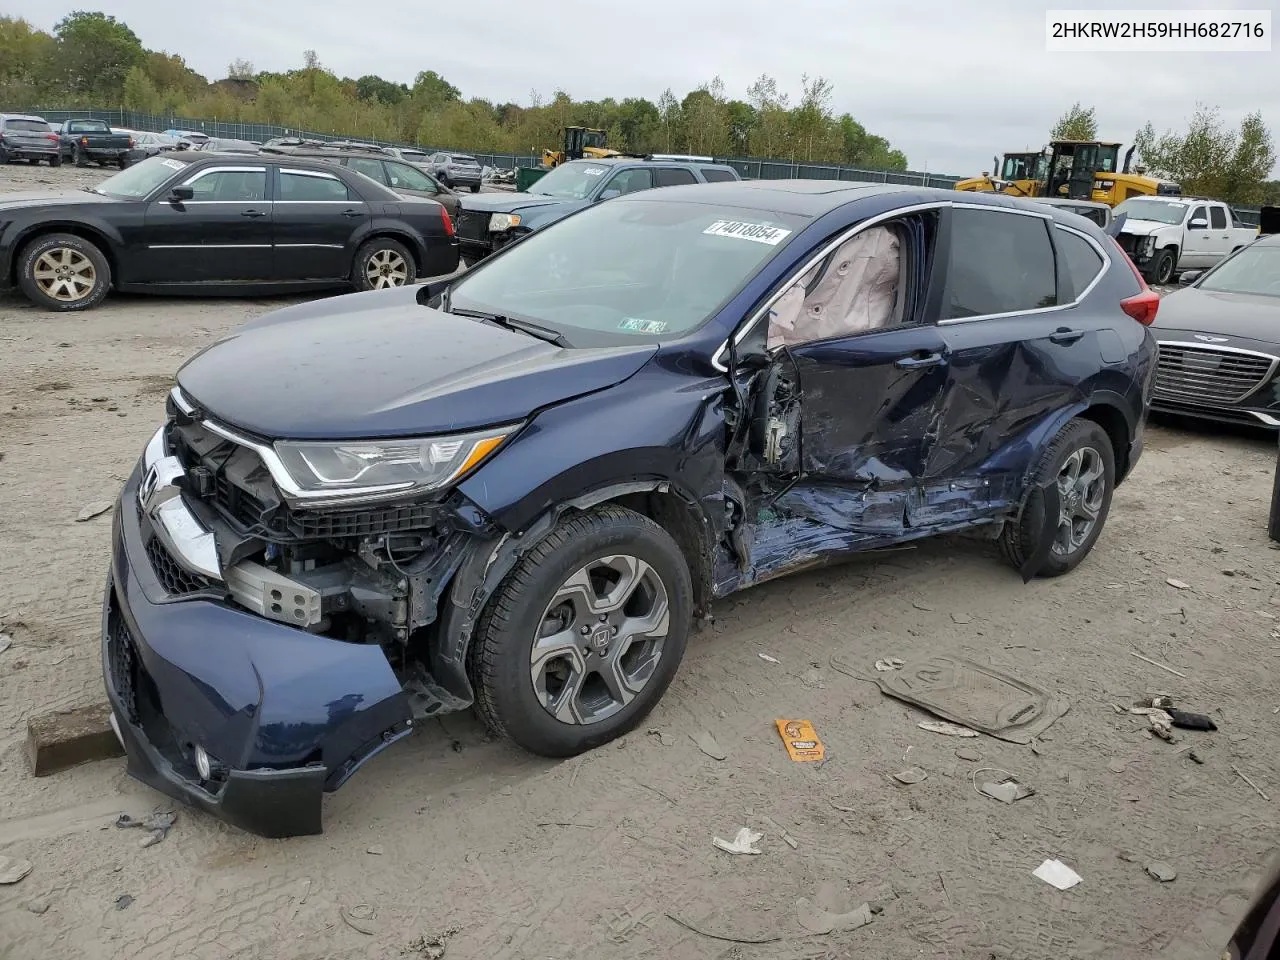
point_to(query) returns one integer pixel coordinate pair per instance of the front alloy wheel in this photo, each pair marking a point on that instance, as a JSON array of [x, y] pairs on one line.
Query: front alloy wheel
[[583, 636], [63, 272]]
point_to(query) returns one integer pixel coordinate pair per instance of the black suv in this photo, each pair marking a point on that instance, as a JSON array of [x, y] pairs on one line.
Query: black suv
[[519, 489]]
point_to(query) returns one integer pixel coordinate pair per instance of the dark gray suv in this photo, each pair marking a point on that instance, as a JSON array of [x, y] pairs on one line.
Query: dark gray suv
[[28, 138]]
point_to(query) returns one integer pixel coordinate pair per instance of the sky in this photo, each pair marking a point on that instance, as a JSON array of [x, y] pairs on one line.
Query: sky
[[949, 84]]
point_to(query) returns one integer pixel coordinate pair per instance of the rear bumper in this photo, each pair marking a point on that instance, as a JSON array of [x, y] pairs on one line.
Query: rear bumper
[[31, 152], [287, 715], [463, 179]]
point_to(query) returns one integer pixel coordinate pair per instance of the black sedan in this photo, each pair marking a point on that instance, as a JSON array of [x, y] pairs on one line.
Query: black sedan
[[195, 222], [1219, 339]]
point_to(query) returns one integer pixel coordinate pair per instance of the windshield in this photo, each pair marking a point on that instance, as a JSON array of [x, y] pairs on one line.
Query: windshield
[[1255, 270], [413, 156], [570, 181], [88, 126], [27, 126], [640, 269], [135, 182], [464, 160], [1161, 211]]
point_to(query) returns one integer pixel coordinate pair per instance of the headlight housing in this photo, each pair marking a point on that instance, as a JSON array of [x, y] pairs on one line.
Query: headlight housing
[[1148, 245], [503, 221], [361, 469]]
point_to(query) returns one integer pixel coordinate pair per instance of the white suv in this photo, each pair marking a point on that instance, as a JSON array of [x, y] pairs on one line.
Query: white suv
[[1166, 235]]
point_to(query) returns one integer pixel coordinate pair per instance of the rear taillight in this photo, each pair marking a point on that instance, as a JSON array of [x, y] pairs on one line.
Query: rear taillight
[[51, 136], [1142, 306], [448, 221]]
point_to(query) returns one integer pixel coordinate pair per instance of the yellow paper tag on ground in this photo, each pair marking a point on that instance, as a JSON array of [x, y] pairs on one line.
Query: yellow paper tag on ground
[[801, 740]]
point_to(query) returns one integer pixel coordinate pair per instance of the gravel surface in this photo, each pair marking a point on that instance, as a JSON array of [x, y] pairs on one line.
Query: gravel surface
[[528, 858]]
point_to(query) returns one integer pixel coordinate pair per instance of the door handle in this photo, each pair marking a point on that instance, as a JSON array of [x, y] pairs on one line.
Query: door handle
[[352, 213], [1066, 335], [918, 360], [253, 213]]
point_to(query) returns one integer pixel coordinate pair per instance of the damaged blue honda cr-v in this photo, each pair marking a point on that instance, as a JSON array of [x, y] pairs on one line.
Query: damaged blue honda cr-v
[[517, 490]]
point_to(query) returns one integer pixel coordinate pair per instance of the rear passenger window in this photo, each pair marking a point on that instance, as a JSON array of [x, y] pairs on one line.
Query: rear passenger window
[[1000, 263], [1217, 218], [673, 177], [306, 187], [1080, 262], [716, 176]]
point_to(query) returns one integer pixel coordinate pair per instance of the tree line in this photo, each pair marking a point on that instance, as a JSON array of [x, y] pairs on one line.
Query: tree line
[[93, 59], [1207, 158]]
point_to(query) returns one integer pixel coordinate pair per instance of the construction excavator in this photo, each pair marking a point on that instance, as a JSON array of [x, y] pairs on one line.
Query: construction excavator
[[1075, 169]]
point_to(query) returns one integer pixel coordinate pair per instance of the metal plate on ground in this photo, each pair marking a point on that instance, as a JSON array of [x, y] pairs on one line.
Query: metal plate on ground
[[975, 695]]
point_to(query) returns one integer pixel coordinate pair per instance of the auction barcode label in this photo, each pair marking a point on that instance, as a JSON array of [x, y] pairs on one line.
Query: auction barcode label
[[1158, 31]]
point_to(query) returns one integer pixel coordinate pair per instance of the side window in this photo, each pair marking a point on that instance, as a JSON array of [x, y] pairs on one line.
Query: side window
[[228, 186], [1235, 219], [859, 287], [1000, 263], [1199, 213], [402, 175], [674, 176], [1218, 218], [1080, 261], [311, 187], [716, 176], [629, 181], [370, 168]]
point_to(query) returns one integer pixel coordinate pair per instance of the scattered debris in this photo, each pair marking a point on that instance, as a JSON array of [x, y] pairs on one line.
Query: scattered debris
[[157, 826], [1117, 766], [801, 740], [1130, 797], [1161, 700], [889, 664], [1245, 777], [911, 775], [1162, 871], [768, 659], [1178, 584], [976, 696], [124, 901], [663, 738], [946, 729], [360, 918], [842, 807], [707, 744], [432, 947], [13, 869], [743, 843], [1191, 721], [716, 936], [961, 618], [95, 509], [6, 642], [829, 912], [306, 891], [1157, 663], [1161, 724], [38, 907], [375, 850], [1057, 874], [970, 754], [787, 838], [1007, 790], [921, 605], [1194, 757]]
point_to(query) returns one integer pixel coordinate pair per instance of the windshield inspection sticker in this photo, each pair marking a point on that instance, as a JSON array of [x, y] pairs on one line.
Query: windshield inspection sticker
[[759, 232], [637, 325], [592, 171], [173, 164]]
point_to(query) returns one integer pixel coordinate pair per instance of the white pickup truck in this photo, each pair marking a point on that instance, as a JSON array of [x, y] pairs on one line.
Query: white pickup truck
[[1166, 235]]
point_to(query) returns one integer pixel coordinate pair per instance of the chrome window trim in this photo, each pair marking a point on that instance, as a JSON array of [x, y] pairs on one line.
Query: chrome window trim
[[717, 359], [209, 171], [318, 174], [209, 246]]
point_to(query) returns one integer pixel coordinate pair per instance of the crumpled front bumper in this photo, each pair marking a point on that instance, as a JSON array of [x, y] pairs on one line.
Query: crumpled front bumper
[[286, 714]]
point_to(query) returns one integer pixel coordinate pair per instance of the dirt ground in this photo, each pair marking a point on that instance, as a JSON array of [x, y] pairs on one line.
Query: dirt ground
[[591, 858]]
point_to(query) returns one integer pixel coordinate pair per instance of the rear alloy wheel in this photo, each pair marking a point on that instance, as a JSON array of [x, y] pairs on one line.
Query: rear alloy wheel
[[584, 635], [1165, 264], [383, 263], [1081, 462], [64, 272]]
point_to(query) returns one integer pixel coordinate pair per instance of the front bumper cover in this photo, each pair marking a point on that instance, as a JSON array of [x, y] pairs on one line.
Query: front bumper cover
[[289, 715]]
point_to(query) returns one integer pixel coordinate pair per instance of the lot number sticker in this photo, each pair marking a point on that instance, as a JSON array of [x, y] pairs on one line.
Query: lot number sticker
[[173, 164], [592, 171], [741, 230]]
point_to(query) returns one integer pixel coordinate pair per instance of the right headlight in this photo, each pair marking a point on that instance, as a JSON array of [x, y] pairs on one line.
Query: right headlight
[[372, 468], [503, 221]]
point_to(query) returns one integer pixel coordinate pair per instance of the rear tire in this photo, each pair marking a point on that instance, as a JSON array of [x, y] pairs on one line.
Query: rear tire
[[622, 579], [63, 272], [4, 157], [382, 263], [1081, 449], [55, 161]]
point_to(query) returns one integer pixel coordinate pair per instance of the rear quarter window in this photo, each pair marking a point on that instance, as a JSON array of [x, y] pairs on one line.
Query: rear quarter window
[[717, 176], [673, 176], [1081, 263], [999, 263]]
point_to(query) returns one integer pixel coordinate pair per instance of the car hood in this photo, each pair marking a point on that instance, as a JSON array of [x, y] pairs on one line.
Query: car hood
[[1220, 314], [1142, 228], [381, 365], [41, 198], [509, 202]]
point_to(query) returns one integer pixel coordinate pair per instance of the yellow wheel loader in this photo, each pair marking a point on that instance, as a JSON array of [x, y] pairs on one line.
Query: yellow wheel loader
[[1074, 169], [579, 142]]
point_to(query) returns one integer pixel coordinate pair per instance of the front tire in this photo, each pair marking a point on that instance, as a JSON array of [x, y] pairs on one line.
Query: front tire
[[1165, 265], [475, 188], [383, 263], [1082, 460], [63, 272], [55, 161], [584, 635]]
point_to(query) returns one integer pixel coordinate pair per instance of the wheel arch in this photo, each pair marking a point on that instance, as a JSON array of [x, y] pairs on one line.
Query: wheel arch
[[1114, 422], [399, 234], [100, 238]]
